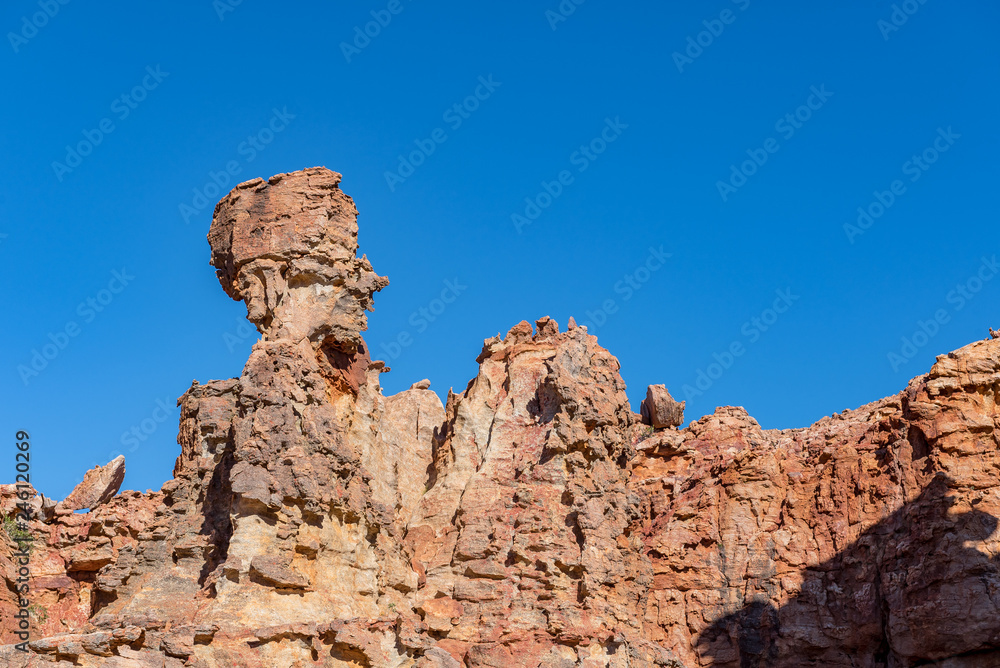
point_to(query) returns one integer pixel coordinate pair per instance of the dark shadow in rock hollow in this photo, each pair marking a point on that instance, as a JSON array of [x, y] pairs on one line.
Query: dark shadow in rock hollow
[[909, 592]]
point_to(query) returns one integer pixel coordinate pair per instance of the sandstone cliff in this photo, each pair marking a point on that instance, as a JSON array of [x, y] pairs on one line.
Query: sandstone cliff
[[533, 520]]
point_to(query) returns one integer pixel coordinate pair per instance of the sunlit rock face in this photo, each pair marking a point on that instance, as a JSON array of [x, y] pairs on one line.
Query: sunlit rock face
[[867, 539], [532, 520], [287, 247]]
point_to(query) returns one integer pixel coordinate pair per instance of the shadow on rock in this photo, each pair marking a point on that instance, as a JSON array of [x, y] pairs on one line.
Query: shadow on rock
[[911, 591]]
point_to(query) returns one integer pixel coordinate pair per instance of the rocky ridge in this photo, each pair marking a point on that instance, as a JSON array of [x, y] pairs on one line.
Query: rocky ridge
[[532, 520]]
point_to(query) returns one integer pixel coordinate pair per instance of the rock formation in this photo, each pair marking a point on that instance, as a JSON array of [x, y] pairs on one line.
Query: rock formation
[[659, 410], [99, 485], [532, 520]]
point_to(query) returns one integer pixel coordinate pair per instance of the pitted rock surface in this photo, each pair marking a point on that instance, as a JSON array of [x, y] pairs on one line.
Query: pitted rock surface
[[660, 410], [532, 520], [287, 247]]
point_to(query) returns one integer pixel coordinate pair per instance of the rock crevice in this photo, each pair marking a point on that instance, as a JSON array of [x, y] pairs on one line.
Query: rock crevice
[[532, 520]]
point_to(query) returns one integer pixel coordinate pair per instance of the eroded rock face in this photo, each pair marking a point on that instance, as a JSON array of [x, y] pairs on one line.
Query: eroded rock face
[[525, 530], [287, 247], [660, 410], [99, 485], [867, 539], [532, 520]]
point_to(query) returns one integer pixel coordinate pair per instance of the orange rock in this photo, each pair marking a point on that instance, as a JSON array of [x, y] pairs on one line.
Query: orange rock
[[532, 520]]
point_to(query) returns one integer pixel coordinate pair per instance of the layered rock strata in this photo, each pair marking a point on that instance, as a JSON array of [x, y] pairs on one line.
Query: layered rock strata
[[532, 520]]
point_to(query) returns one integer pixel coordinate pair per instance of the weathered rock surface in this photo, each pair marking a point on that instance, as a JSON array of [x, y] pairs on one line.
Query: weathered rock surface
[[99, 485], [866, 540], [660, 410], [287, 247], [532, 520]]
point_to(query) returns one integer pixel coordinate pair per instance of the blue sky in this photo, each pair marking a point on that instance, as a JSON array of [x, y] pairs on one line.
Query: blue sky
[[677, 174]]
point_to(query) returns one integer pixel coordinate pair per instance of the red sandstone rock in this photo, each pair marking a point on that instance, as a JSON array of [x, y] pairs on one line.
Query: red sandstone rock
[[530, 521], [99, 485], [287, 246], [276, 572], [659, 409]]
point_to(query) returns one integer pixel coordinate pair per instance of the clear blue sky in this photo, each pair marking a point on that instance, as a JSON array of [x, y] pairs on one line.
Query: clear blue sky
[[672, 126]]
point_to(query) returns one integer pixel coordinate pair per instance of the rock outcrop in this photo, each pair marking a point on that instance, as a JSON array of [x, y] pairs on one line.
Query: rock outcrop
[[288, 248], [99, 485], [659, 410], [532, 520]]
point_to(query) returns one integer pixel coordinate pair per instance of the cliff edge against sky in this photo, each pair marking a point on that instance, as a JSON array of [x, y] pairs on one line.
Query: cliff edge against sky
[[534, 519]]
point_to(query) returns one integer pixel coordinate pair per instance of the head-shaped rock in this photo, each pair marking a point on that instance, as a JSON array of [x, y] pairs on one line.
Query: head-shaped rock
[[288, 248]]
